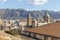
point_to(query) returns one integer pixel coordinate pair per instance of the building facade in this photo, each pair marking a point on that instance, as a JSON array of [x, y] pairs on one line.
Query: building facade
[[29, 20], [1, 23], [35, 23], [47, 32]]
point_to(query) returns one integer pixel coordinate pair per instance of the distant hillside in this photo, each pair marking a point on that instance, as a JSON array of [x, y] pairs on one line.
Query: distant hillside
[[21, 13]]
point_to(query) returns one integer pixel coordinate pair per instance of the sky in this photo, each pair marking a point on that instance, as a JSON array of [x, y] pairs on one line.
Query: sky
[[52, 5]]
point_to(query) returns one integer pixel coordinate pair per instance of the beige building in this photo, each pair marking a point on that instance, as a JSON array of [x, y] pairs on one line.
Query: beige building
[[35, 23], [7, 25], [1, 23], [22, 24]]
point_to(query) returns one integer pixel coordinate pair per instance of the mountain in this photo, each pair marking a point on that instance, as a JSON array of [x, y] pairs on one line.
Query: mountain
[[22, 13]]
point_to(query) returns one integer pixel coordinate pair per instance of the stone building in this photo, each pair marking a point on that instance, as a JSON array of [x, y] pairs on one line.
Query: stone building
[[1, 23], [7, 25], [46, 17], [29, 20], [35, 23], [22, 24], [47, 32]]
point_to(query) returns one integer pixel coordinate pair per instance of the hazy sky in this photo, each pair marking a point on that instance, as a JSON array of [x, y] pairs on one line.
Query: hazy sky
[[31, 4]]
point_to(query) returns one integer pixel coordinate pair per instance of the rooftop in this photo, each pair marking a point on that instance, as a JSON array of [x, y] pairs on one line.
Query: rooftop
[[52, 29]]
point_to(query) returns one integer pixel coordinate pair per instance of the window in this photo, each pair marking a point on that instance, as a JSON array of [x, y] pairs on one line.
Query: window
[[27, 33], [32, 35], [37, 36], [54, 38], [41, 37], [58, 39], [49, 38], [45, 37]]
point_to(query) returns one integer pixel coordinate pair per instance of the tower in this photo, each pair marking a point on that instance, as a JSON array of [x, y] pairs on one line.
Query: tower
[[46, 17], [29, 20], [0, 20]]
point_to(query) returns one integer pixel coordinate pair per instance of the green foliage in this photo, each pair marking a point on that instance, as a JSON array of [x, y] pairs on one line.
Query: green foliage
[[12, 32]]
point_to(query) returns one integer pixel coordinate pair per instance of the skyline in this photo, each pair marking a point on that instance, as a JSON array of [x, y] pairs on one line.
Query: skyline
[[52, 5]]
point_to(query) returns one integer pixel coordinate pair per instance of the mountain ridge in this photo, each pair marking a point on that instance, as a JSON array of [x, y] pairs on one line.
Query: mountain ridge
[[22, 13]]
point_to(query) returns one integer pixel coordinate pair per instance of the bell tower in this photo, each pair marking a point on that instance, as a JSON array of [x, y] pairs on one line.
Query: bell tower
[[29, 20], [46, 17]]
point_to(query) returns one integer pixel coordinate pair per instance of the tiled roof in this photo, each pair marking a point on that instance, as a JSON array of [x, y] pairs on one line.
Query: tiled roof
[[52, 29], [22, 20]]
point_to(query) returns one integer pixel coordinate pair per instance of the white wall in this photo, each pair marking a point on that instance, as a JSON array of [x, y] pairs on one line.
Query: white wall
[[41, 24]]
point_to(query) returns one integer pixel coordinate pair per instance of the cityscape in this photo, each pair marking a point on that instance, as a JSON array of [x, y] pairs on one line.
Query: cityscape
[[29, 20]]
